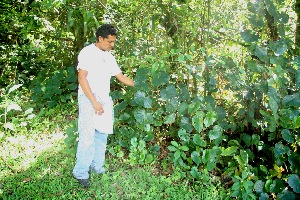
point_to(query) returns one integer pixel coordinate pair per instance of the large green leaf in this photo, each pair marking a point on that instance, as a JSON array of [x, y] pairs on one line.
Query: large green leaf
[[280, 150], [264, 196], [277, 186], [259, 186], [292, 100], [278, 47], [255, 139], [273, 105], [247, 139], [297, 77], [177, 155], [195, 173], [160, 78], [294, 182], [296, 121], [172, 105], [282, 18], [248, 36], [294, 162], [142, 117], [215, 133], [287, 135], [172, 148], [193, 107], [256, 21], [229, 151], [198, 140], [169, 92], [271, 7], [195, 155], [286, 195], [147, 102], [185, 123], [261, 53], [183, 135], [210, 119], [139, 97], [197, 122], [256, 8], [183, 107], [170, 119]]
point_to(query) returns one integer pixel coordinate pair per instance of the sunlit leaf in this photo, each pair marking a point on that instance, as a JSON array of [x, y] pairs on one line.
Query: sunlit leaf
[[229, 151], [13, 88], [9, 126], [13, 106], [210, 118], [181, 58]]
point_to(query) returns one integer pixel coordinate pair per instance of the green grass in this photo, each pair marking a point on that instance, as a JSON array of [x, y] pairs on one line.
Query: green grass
[[36, 164]]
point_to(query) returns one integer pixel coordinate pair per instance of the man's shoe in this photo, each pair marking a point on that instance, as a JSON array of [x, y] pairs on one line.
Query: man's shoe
[[84, 182]]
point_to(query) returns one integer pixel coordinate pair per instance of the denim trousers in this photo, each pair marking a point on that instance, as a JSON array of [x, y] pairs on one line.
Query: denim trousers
[[91, 145]]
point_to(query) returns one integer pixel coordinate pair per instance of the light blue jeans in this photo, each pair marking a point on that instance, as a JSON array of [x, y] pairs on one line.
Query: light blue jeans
[[91, 145]]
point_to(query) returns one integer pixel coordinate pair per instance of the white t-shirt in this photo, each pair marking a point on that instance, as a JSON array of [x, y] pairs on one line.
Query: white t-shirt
[[101, 66]]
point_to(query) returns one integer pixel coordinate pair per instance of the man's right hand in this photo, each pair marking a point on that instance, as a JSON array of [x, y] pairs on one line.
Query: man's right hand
[[98, 107]]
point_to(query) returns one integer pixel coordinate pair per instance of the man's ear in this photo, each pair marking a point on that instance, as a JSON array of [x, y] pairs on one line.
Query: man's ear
[[100, 39]]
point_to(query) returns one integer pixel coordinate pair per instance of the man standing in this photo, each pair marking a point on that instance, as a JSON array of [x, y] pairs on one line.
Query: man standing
[[96, 66]]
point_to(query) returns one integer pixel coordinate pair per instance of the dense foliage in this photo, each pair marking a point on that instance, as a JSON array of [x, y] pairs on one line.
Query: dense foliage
[[217, 83]]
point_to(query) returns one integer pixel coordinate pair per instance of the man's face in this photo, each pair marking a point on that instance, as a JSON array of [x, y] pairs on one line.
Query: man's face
[[107, 44]]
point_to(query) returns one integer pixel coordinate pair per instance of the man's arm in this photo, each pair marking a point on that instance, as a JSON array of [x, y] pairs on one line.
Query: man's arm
[[84, 84], [125, 79]]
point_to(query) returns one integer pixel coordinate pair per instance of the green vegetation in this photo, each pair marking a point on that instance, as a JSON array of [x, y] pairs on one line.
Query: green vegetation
[[216, 101], [38, 165]]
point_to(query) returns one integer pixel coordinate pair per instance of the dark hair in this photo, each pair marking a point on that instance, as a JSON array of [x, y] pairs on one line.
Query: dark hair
[[105, 30]]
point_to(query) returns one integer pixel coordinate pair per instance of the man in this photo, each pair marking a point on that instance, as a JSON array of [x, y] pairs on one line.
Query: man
[[96, 66]]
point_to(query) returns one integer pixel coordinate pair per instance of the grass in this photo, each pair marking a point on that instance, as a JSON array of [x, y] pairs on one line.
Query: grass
[[36, 164]]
